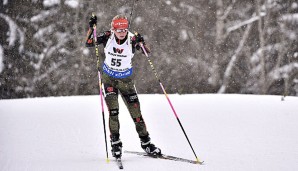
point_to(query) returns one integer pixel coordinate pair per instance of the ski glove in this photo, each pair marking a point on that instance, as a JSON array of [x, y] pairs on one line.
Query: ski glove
[[92, 21], [139, 39]]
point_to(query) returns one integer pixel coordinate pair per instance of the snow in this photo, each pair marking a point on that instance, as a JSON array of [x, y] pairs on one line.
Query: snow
[[13, 29], [294, 5], [290, 18], [72, 3], [13, 33], [49, 3], [189, 8], [43, 31], [168, 2], [41, 16], [86, 51], [227, 131], [284, 71], [246, 22], [138, 20], [1, 59], [5, 2], [183, 35]]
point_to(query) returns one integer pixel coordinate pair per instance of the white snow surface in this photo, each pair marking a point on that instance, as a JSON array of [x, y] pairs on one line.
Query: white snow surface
[[227, 131]]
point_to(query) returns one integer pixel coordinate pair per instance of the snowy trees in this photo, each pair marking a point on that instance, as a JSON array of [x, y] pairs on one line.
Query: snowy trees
[[197, 46], [273, 65], [266, 50]]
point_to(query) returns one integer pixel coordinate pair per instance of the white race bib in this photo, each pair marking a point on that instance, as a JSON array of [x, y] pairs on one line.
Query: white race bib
[[118, 59]]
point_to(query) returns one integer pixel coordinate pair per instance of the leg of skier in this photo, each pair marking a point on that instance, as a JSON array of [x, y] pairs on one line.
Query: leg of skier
[[113, 107], [130, 97]]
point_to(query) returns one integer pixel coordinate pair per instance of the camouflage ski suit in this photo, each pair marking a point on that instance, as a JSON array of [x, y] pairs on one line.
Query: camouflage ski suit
[[126, 88]]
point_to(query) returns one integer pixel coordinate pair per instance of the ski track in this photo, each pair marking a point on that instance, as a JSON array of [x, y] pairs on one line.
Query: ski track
[[228, 132]]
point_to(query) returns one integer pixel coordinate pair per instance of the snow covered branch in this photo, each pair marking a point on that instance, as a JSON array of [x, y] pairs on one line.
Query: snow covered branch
[[231, 64], [246, 22], [290, 18], [284, 72], [53, 68], [14, 32], [228, 10], [1, 59]]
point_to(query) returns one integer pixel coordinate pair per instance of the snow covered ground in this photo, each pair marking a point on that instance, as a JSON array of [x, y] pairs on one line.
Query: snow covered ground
[[228, 132]]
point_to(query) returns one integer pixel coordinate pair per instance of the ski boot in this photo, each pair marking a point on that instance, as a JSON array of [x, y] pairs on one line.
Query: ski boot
[[148, 147], [116, 146]]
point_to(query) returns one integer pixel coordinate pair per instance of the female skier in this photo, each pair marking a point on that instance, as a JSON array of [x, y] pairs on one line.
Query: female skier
[[117, 78]]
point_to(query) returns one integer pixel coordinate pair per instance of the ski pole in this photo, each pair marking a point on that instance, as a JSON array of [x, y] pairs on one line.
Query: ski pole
[[100, 92], [131, 13], [165, 93]]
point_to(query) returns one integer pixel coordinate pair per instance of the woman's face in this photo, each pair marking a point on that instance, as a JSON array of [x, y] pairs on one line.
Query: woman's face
[[120, 33]]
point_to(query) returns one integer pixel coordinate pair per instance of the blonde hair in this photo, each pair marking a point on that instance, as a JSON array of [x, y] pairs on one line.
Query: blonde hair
[[119, 16]]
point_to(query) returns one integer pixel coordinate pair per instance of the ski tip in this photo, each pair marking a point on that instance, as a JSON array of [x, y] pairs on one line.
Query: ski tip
[[108, 160]]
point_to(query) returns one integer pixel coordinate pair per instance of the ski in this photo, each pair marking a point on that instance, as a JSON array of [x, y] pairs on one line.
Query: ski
[[119, 163], [166, 157]]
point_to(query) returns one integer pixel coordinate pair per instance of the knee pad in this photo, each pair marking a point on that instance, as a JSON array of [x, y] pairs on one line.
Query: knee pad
[[114, 112], [109, 90], [131, 98], [138, 119]]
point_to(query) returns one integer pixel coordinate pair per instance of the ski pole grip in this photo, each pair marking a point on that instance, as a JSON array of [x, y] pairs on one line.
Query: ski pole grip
[[143, 48]]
